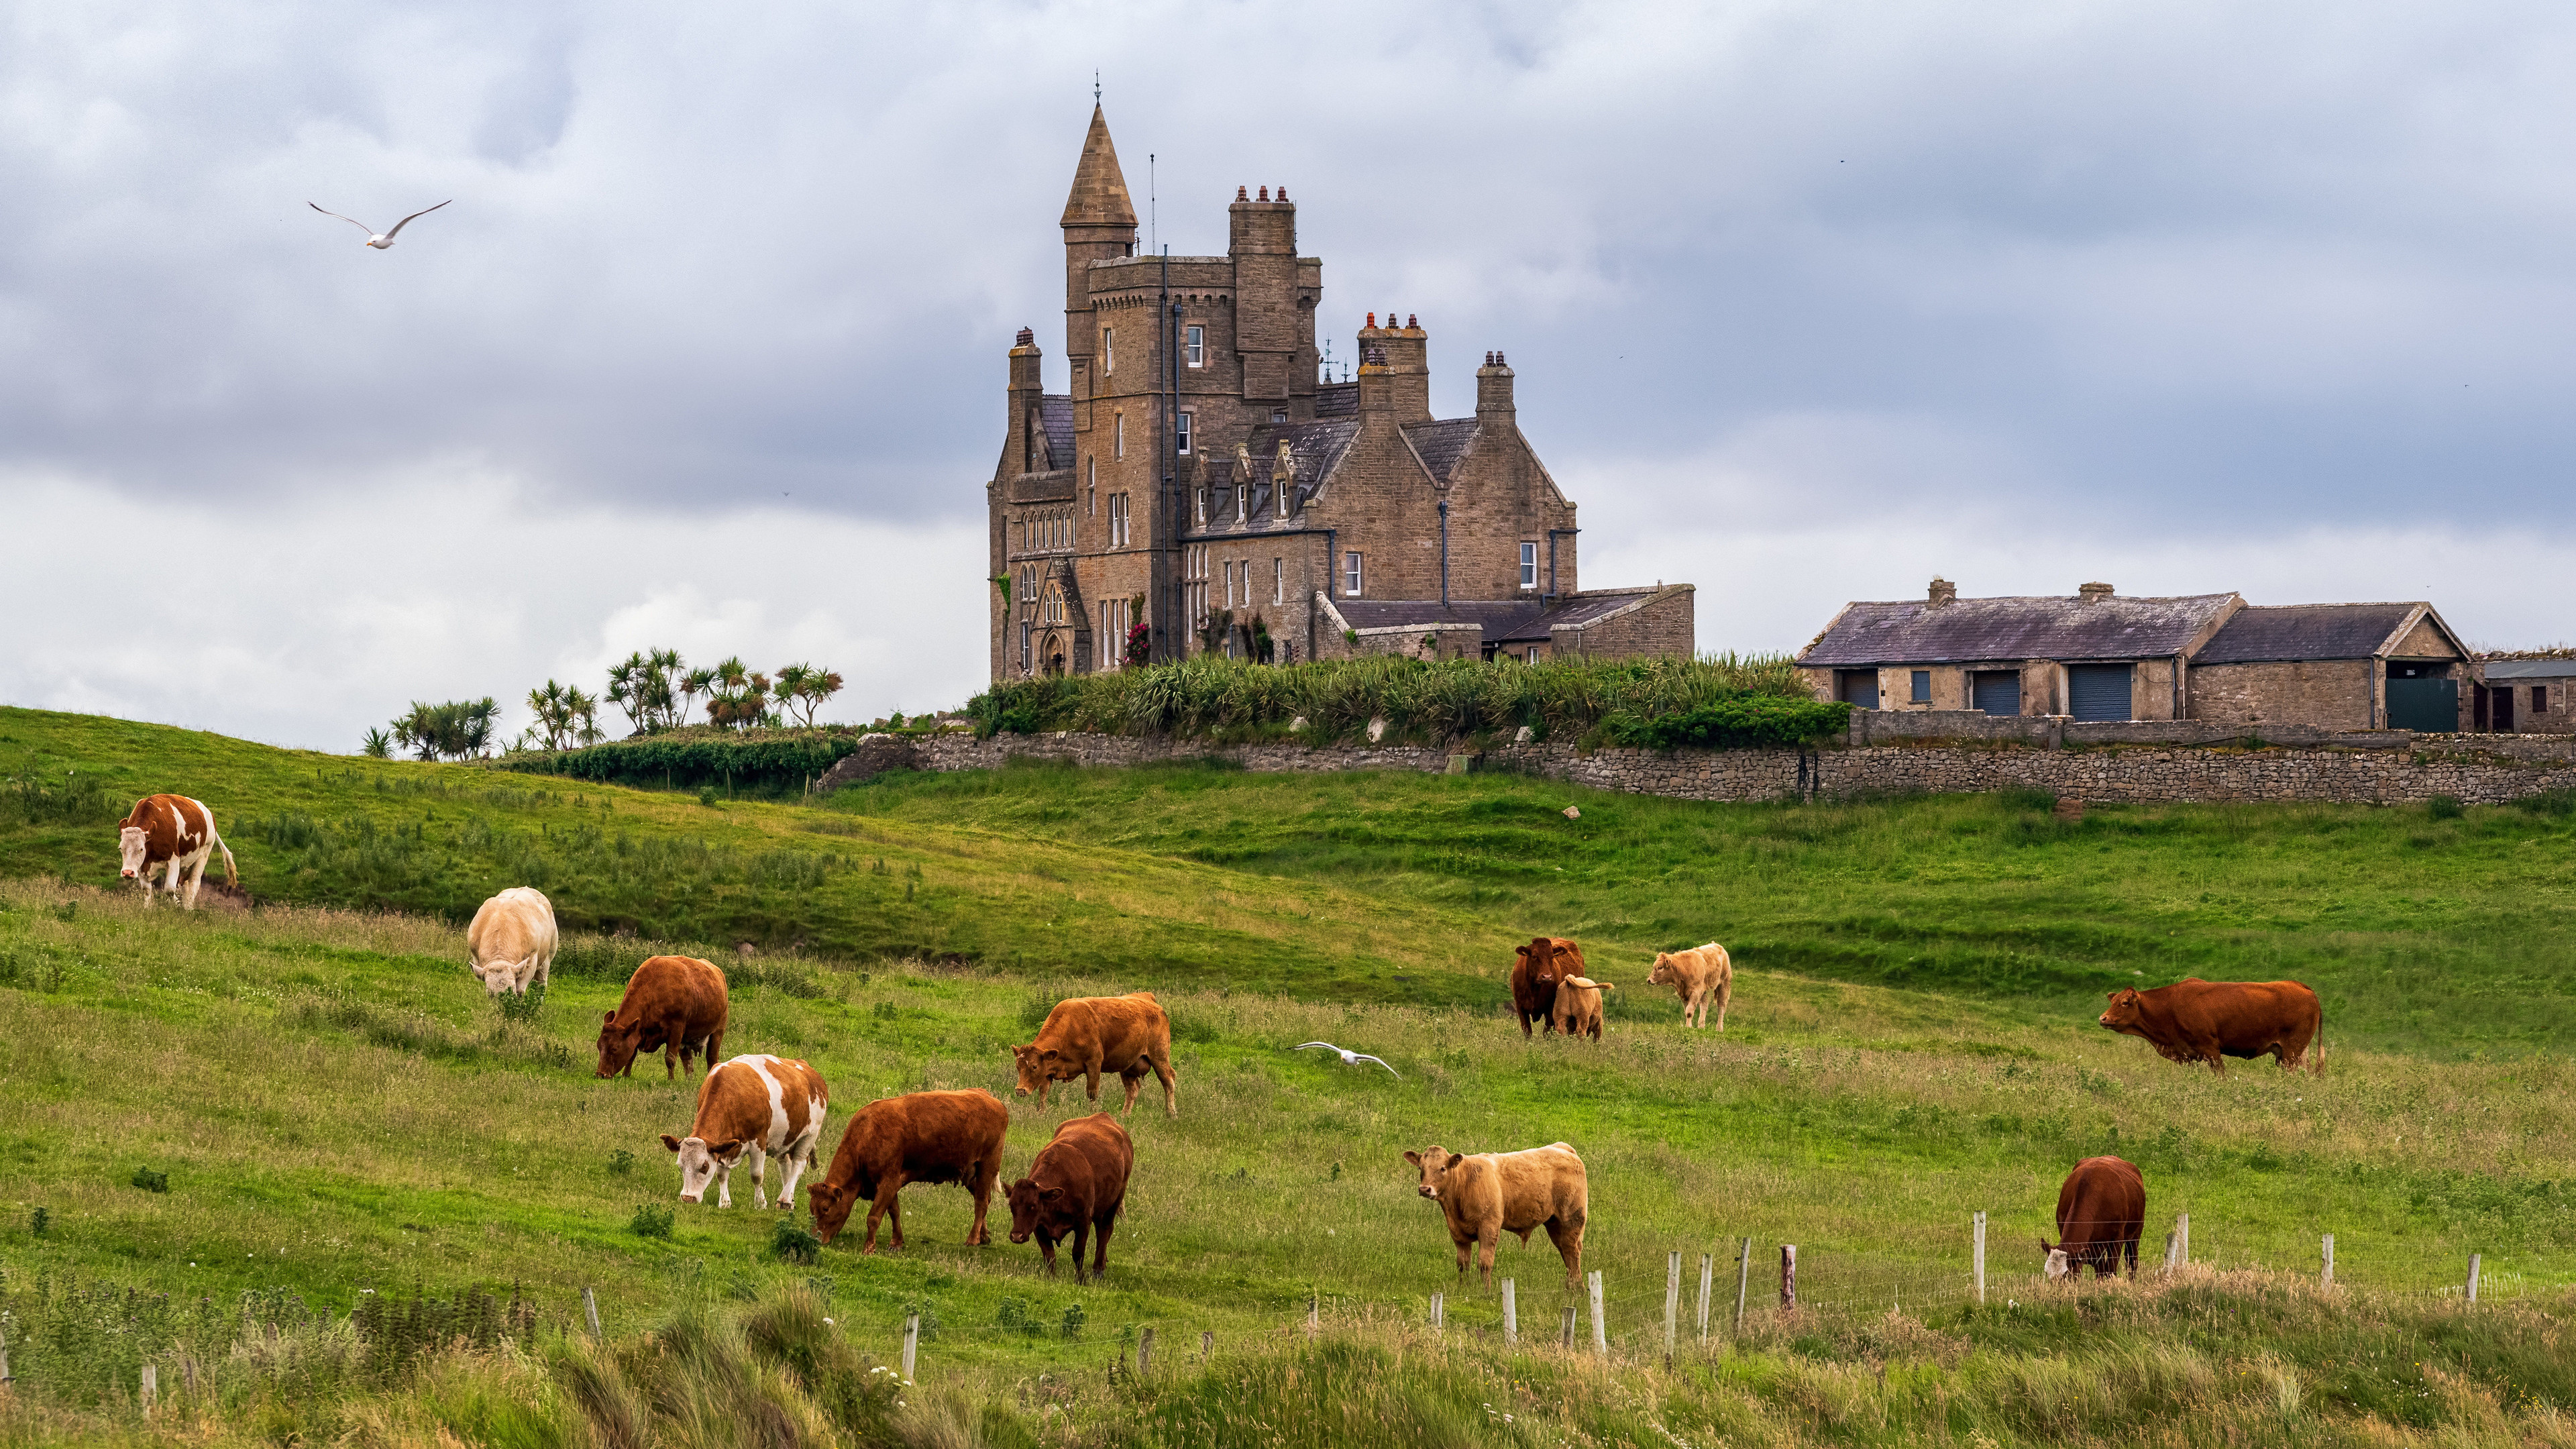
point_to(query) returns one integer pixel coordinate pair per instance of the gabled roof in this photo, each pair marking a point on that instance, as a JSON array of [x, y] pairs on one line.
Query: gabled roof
[[1055, 410], [1099, 188], [1914, 631], [1337, 400], [2269, 633], [1441, 443], [1317, 448]]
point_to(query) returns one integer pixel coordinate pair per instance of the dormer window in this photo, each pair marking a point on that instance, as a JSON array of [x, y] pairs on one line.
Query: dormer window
[[1285, 490], [1243, 503], [1203, 508]]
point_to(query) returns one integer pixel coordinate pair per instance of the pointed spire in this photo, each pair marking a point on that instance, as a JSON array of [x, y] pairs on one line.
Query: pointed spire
[[1099, 188]]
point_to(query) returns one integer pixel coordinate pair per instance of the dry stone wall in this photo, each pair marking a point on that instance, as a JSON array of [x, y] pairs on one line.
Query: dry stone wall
[[2479, 774]]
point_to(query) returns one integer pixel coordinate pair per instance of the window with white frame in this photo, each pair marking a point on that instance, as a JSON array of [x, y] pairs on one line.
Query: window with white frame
[[1533, 654], [1181, 433], [1117, 520], [1242, 502], [1118, 436], [1529, 565], [1108, 349], [1279, 581], [1198, 347], [1203, 493], [1194, 587], [1351, 577]]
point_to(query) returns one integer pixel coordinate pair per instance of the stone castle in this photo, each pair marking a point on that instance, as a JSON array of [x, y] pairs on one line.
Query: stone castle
[[1205, 486]]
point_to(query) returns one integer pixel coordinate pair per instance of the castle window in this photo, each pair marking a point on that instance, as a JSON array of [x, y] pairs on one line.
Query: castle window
[[1108, 349], [1529, 565], [1229, 584], [1118, 436], [1198, 349], [1279, 417], [1279, 581], [1242, 503], [1203, 507], [1181, 434], [1024, 648], [1351, 574]]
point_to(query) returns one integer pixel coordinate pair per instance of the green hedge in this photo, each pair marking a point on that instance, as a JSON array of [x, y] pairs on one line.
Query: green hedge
[[767, 762], [1718, 700]]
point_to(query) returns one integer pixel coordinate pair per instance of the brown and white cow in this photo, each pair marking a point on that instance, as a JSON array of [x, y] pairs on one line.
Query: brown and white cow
[[760, 1106], [2101, 1212], [918, 1137], [1542, 963], [1086, 1036], [1698, 976], [1486, 1195], [174, 834], [2209, 1021], [1578, 1006], [1076, 1186], [511, 944], [672, 1004]]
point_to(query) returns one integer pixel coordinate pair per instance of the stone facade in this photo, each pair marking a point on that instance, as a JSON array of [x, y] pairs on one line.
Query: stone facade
[[2332, 693], [1207, 481], [2407, 770]]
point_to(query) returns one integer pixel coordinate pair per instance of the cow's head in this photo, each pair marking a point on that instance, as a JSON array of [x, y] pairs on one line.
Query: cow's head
[[1038, 1066], [135, 846], [1435, 1162], [617, 1044], [2127, 1012], [500, 976], [1665, 972], [830, 1203], [699, 1159], [2058, 1264], [1034, 1207]]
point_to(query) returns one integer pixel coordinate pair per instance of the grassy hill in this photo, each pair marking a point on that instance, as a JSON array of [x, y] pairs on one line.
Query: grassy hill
[[342, 1116]]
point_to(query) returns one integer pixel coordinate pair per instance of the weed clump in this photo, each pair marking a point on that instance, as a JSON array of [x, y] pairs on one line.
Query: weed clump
[[651, 1220], [151, 1181], [621, 1162], [792, 1242]]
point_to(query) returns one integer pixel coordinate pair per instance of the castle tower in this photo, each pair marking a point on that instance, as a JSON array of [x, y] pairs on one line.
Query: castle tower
[[1099, 223]]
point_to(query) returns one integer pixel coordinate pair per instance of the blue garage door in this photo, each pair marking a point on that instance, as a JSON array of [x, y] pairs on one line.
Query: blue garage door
[[1997, 691], [2098, 691]]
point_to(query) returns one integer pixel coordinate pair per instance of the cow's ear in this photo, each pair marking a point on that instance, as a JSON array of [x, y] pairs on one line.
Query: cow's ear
[[1414, 1157], [1051, 1194], [606, 1017], [671, 1142]]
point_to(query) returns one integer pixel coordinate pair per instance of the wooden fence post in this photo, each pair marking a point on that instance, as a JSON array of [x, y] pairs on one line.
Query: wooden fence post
[[2182, 1237], [1207, 1346], [1743, 1277], [1314, 1313], [2325, 1279], [4, 1356], [1435, 1311], [911, 1341], [1145, 1353], [1707, 1277], [1672, 1302], [1600, 1333], [1788, 1275], [151, 1386], [1979, 1253], [590, 1310], [1565, 1337], [2473, 1278]]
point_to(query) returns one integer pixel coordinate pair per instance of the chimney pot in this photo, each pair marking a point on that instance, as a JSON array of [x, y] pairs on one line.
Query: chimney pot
[[1412, 322], [1265, 193], [1372, 322], [1243, 193], [1942, 592], [1283, 193], [1028, 338], [2093, 593]]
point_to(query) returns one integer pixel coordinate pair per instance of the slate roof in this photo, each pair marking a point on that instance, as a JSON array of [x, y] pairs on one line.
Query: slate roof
[[2263, 634], [1055, 410], [1337, 400], [1912, 631], [2529, 669], [1317, 448], [1441, 443], [1505, 621]]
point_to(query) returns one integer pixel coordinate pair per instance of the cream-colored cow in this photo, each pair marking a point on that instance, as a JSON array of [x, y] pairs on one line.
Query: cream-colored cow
[[1487, 1194], [511, 944], [1578, 1006], [1697, 975]]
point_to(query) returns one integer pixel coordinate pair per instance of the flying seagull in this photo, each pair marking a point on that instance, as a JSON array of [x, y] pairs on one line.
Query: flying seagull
[[1351, 1058], [382, 239]]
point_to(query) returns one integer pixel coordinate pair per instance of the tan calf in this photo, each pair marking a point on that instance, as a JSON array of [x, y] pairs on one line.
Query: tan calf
[[1489, 1194], [1578, 1006], [511, 945], [1087, 1035], [1697, 976], [763, 1106]]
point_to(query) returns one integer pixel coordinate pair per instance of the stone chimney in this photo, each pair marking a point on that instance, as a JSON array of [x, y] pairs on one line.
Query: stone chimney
[[1943, 592], [1402, 361], [2092, 593], [1026, 402], [1494, 389]]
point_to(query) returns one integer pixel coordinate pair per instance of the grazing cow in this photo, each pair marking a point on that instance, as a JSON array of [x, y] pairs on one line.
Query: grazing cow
[[2209, 1021], [1578, 1006], [1077, 1185], [1088, 1035], [1545, 961], [761, 1105], [511, 944], [2101, 1211], [920, 1137], [174, 834], [673, 1004], [1492, 1193], [1697, 976]]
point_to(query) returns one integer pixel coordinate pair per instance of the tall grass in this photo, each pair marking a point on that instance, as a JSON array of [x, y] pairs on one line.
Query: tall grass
[[1417, 699]]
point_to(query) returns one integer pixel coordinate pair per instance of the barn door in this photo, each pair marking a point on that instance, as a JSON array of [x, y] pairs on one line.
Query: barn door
[[1996, 691], [2099, 691], [1859, 688], [2428, 706]]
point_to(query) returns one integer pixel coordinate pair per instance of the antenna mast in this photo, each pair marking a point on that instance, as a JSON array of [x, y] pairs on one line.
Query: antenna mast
[[1153, 209]]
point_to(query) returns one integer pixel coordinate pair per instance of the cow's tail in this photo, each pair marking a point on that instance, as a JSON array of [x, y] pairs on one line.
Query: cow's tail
[[2317, 1064], [232, 872]]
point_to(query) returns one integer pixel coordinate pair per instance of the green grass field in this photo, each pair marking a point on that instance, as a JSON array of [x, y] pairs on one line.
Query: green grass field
[[338, 1109]]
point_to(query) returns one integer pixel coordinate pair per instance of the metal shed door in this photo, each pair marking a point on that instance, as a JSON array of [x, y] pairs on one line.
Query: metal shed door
[[1997, 691], [1860, 687], [2098, 691], [2431, 706]]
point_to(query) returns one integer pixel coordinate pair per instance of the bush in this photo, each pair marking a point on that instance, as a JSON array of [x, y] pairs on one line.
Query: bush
[[150, 1181], [651, 1220], [791, 1242], [2444, 807], [69, 799], [523, 1005], [1731, 724], [703, 759]]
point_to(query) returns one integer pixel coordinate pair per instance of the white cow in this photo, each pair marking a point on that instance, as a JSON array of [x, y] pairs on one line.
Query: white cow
[[511, 944]]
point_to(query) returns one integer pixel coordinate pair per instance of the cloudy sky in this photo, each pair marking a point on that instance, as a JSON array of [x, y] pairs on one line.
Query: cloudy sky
[[1808, 301]]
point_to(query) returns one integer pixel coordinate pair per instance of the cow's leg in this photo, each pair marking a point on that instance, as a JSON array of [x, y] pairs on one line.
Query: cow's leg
[[980, 1183], [1100, 1244], [1568, 1237], [887, 1201], [759, 1176], [1725, 990], [1046, 1251], [1466, 1249], [1133, 1079], [1525, 1022], [196, 877], [724, 1183], [791, 1167], [1161, 1061], [170, 878], [1486, 1242], [1081, 1240], [1091, 1080]]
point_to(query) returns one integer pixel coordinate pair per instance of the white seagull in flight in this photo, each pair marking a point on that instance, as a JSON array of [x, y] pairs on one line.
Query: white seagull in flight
[[1351, 1058], [381, 239]]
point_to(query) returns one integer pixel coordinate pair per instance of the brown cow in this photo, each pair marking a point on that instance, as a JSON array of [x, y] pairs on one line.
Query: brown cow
[[1077, 1184], [1088, 1035], [2208, 1021], [2101, 1210], [1489, 1194], [1545, 961], [761, 1105], [919, 1137], [175, 834], [1578, 1006], [673, 1004], [1697, 976]]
